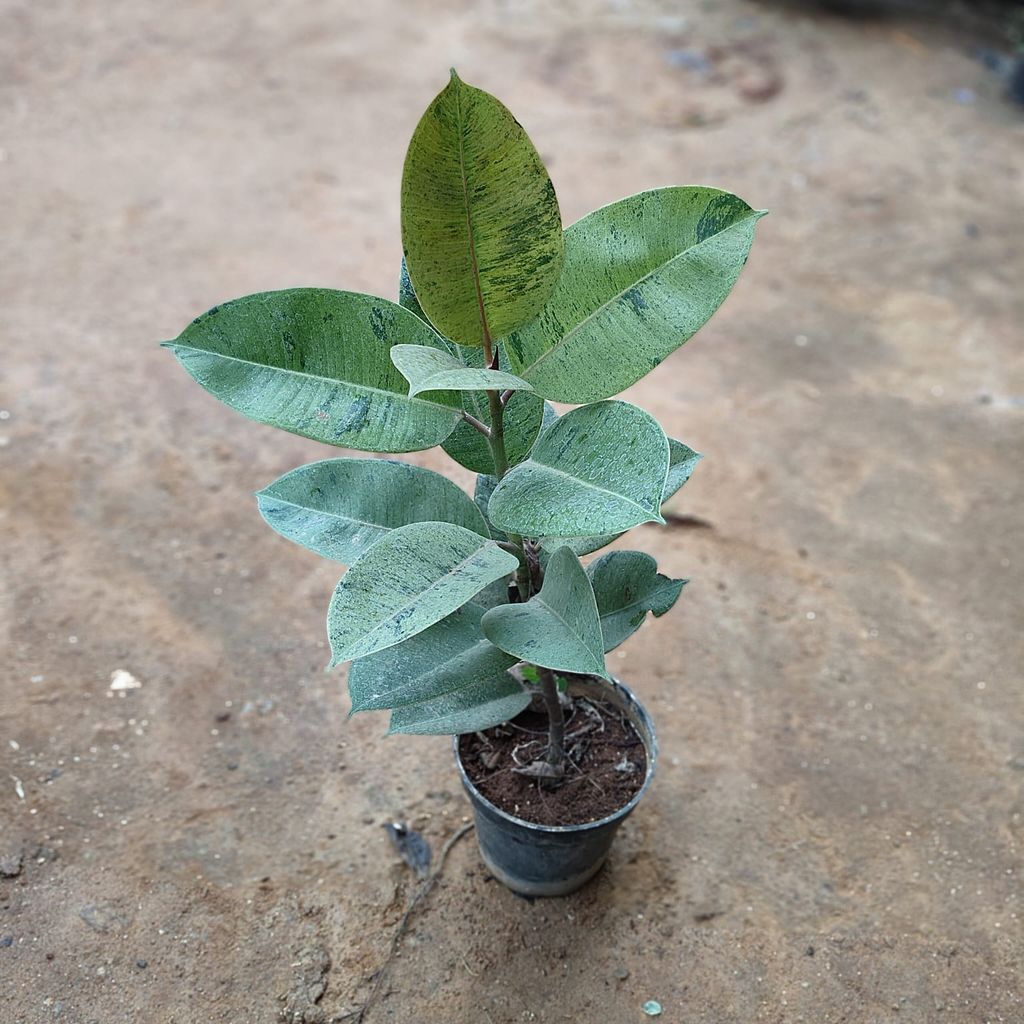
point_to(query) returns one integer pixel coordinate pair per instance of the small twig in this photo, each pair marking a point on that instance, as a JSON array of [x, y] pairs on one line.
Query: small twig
[[510, 548], [403, 927], [506, 395], [514, 753], [476, 424]]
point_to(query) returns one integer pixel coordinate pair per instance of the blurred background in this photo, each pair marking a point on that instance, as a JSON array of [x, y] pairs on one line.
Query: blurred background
[[189, 827]]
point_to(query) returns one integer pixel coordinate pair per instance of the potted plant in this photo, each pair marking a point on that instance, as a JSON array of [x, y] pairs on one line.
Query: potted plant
[[476, 617]]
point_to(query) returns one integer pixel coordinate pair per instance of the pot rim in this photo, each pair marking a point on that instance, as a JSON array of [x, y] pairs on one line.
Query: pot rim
[[650, 743]]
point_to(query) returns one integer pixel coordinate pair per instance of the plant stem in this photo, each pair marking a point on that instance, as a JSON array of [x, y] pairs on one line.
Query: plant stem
[[529, 576], [496, 439], [476, 424], [556, 719]]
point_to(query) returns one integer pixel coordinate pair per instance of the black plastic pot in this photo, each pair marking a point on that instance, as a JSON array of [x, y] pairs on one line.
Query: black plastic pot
[[550, 860]]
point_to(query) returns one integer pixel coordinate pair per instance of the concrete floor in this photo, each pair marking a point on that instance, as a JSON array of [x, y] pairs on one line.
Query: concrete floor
[[835, 834]]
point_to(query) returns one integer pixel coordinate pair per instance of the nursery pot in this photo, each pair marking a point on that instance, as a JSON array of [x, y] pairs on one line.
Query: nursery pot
[[555, 860]]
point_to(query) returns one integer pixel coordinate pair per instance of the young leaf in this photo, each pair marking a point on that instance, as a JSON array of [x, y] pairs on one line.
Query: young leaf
[[681, 463], [641, 276], [339, 507], [558, 628], [407, 581], [317, 362], [447, 679], [431, 369], [598, 469], [627, 586], [481, 228]]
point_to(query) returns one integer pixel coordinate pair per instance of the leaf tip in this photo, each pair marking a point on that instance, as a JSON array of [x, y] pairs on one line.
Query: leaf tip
[[455, 80]]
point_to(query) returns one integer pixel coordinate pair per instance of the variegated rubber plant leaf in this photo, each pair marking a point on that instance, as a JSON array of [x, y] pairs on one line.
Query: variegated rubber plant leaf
[[558, 628], [627, 586], [598, 469], [641, 276], [481, 229], [681, 462], [431, 369], [411, 578], [340, 507], [447, 679], [317, 362]]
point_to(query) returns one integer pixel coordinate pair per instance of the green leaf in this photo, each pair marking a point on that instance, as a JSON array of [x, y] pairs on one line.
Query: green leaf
[[627, 586], [447, 679], [598, 469], [431, 369], [480, 705], [559, 627], [407, 581], [317, 362], [641, 276], [339, 507], [681, 463], [481, 230]]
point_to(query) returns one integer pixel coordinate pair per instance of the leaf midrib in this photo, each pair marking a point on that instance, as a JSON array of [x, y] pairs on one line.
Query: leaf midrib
[[444, 667], [433, 720], [312, 376], [475, 267], [419, 596], [354, 520], [500, 382], [569, 629], [638, 603], [595, 487]]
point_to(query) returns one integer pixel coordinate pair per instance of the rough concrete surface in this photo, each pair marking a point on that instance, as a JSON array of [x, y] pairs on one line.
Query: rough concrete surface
[[835, 833]]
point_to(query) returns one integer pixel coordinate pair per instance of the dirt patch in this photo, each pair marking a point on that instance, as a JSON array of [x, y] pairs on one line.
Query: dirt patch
[[607, 764]]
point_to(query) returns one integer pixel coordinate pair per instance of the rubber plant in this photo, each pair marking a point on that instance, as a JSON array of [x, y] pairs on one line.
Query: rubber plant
[[456, 611]]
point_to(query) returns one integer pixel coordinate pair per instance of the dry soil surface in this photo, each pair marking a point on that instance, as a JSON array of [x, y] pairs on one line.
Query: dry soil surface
[[835, 833]]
